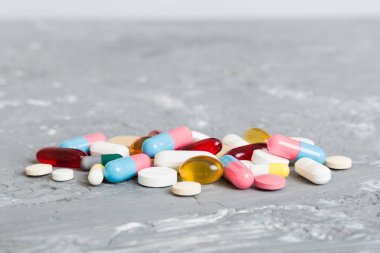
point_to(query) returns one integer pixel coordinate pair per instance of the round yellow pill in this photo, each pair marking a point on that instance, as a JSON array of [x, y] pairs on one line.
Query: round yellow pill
[[201, 169], [256, 135]]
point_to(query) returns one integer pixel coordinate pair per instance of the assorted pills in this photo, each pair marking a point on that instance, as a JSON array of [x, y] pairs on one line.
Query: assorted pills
[[258, 159]]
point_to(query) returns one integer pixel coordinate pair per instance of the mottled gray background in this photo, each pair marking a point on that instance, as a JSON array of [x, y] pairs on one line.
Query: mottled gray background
[[315, 79]]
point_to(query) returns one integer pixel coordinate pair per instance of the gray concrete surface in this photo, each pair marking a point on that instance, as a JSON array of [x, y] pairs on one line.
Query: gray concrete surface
[[315, 79]]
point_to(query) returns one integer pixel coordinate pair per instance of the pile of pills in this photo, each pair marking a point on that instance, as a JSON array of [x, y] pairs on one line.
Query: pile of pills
[[256, 159]]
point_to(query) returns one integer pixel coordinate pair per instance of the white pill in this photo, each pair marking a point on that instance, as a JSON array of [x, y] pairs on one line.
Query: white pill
[[186, 188], [62, 174], [313, 171], [38, 169], [198, 136], [262, 156], [96, 174], [157, 177], [234, 141], [305, 140], [338, 162], [104, 148], [174, 158], [247, 163]]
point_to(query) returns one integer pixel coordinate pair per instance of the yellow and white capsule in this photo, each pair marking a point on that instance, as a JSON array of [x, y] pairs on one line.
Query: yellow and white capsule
[[280, 169]]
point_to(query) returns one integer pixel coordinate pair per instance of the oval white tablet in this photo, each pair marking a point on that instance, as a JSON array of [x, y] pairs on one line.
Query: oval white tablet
[[96, 174], [186, 188], [104, 148], [198, 136], [62, 174], [305, 140], [313, 171], [174, 158], [125, 140], [262, 156], [157, 177], [234, 141], [338, 162], [38, 169]]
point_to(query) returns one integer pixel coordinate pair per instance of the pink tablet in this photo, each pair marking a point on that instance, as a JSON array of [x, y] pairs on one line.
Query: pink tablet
[[270, 182]]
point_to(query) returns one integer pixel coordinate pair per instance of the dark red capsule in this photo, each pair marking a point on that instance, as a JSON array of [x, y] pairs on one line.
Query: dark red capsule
[[245, 152], [211, 145], [61, 157], [153, 133]]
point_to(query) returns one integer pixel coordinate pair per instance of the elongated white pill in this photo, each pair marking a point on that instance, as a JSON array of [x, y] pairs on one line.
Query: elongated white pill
[[38, 169], [125, 140], [338, 162], [234, 141], [198, 136], [313, 171], [174, 158], [105, 148], [304, 140], [262, 156], [157, 177], [247, 163], [62, 174], [186, 188], [96, 174]]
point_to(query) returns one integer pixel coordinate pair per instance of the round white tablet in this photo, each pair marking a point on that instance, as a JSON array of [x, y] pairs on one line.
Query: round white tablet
[[186, 188], [38, 169], [62, 174], [338, 162], [157, 177]]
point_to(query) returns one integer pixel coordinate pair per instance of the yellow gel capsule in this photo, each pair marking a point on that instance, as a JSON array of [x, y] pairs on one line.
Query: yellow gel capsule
[[125, 140], [201, 169], [256, 135], [136, 147], [280, 169]]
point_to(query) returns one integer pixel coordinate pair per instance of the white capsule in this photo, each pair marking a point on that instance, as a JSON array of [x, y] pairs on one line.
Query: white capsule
[[313, 171], [262, 156], [105, 148], [38, 169], [198, 136], [247, 163], [174, 158], [305, 140], [96, 174], [234, 141]]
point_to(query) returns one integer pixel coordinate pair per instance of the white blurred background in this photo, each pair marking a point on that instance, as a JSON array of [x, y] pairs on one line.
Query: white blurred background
[[187, 9]]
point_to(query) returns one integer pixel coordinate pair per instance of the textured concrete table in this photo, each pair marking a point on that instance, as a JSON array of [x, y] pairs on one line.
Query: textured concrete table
[[315, 79]]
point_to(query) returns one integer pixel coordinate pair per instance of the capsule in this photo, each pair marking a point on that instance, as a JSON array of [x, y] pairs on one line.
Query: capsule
[[88, 161], [201, 169], [236, 172], [211, 145], [312, 170], [234, 141], [198, 136], [136, 147], [245, 152], [105, 148], [293, 150], [175, 158], [125, 140], [83, 142], [154, 133], [279, 169], [256, 135], [126, 168], [61, 157], [169, 140]]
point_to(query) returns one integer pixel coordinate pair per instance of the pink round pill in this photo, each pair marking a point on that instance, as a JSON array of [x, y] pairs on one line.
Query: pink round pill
[[270, 182]]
